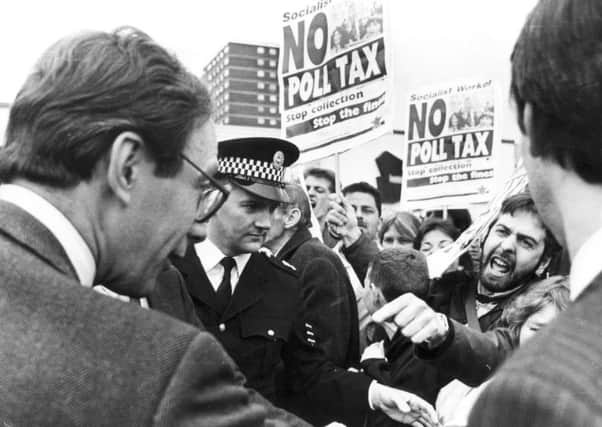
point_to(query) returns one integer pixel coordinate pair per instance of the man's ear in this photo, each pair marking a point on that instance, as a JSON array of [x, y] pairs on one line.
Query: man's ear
[[526, 144], [292, 218], [124, 161]]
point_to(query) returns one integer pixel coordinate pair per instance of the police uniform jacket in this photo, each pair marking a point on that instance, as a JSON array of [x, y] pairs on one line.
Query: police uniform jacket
[[264, 330]]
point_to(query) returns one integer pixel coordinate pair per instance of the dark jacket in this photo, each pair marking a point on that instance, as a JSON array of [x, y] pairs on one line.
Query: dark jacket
[[360, 254], [328, 295], [554, 380], [170, 296], [264, 330], [70, 356]]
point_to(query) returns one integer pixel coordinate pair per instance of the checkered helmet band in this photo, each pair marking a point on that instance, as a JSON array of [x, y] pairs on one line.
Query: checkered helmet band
[[251, 169]]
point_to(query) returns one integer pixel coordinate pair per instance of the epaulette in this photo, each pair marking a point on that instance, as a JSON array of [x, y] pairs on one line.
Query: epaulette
[[281, 264]]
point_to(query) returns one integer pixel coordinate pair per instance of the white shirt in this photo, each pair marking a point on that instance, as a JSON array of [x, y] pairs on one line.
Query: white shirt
[[75, 247], [210, 256], [586, 264]]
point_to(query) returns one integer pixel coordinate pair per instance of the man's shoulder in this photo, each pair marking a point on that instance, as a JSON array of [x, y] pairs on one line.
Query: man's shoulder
[[313, 249], [93, 349], [562, 360], [266, 259]]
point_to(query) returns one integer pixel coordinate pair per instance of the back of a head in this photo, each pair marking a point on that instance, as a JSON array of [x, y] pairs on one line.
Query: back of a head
[[364, 187], [298, 198], [89, 88], [556, 68], [396, 271]]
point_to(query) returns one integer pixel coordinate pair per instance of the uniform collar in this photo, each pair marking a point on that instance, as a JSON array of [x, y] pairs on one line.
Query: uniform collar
[[62, 229], [586, 264], [210, 256]]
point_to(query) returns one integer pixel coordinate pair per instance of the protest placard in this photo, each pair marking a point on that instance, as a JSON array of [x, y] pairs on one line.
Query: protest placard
[[334, 76], [451, 146]]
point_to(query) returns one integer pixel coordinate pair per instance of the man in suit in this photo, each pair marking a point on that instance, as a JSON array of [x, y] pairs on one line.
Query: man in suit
[[556, 86], [254, 305], [328, 295], [108, 162]]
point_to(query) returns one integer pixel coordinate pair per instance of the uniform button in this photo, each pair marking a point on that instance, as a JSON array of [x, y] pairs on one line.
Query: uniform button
[[222, 327], [271, 332]]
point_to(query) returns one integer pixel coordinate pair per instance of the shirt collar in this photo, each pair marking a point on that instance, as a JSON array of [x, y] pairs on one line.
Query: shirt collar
[[586, 264], [75, 247], [210, 256]]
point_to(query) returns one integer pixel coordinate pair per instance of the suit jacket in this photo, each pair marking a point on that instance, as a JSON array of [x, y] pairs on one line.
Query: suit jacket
[[328, 295], [264, 329], [554, 380], [70, 356]]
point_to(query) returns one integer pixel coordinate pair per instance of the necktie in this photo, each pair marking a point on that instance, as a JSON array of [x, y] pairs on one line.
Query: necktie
[[224, 291]]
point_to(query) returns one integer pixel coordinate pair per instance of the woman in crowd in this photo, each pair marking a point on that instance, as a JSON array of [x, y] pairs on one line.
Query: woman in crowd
[[398, 230], [436, 233], [532, 309]]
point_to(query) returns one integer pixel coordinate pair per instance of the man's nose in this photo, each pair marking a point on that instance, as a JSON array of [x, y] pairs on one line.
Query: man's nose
[[508, 243], [263, 220]]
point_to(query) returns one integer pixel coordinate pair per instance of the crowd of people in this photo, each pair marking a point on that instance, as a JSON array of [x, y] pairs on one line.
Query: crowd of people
[[153, 276]]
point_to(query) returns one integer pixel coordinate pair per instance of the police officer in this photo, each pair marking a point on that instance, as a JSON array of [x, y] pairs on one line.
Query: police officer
[[253, 303]]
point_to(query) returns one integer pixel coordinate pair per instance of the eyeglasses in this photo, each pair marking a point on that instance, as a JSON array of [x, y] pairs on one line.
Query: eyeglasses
[[211, 198]]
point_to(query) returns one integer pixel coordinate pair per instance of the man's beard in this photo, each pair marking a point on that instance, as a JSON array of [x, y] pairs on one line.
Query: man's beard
[[498, 273]]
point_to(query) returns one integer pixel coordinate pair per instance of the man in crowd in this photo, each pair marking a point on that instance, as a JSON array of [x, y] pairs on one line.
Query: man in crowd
[[328, 295], [108, 161], [319, 183], [367, 206], [253, 303], [556, 85], [447, 333], [354, 220]]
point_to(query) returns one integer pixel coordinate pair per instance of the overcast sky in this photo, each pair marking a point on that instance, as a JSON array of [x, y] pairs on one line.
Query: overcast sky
[[194, 30]]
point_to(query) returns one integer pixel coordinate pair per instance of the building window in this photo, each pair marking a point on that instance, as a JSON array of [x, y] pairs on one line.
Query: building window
[[260, 120], [260, 97], [273, 110], [272, 63], [260, 49], [260, 73], [273, 87], [226, 61], [260, 108], [273, 98], [273, 52], [273, 74], [226, 73], [273, 122], [260, 85], [260, 62]]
